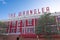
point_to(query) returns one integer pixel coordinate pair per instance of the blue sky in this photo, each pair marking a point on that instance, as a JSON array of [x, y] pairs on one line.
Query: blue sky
[[15, 6]]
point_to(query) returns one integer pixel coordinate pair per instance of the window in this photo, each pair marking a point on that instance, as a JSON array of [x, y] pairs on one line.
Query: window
[[30, 22], [12, 30], [23, 30], [18, 30], [18, 24], [13, 23], [23, 23], [29, 30]]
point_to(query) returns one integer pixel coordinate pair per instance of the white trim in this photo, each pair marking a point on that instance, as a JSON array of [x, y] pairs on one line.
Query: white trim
[[29, 16]]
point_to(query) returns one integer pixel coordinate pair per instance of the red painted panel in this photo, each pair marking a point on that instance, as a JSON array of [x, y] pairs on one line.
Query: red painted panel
[[7, 30], [26, 22], [28, 35], [33, 22], [21, 29], [10, 25], [21, 26], [20, 23], [36, 20], [16, 26]]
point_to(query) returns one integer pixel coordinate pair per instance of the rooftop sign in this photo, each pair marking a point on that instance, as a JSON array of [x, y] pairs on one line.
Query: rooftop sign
[[30, 12]]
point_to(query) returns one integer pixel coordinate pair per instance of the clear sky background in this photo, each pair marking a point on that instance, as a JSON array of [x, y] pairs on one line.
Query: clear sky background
[[15, 6]]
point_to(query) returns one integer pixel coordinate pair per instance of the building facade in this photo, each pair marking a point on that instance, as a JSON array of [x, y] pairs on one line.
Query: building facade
[[22, 25], [25, 25]]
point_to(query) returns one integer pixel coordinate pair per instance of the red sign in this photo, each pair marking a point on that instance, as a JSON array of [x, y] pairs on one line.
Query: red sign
[[31, 12]]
